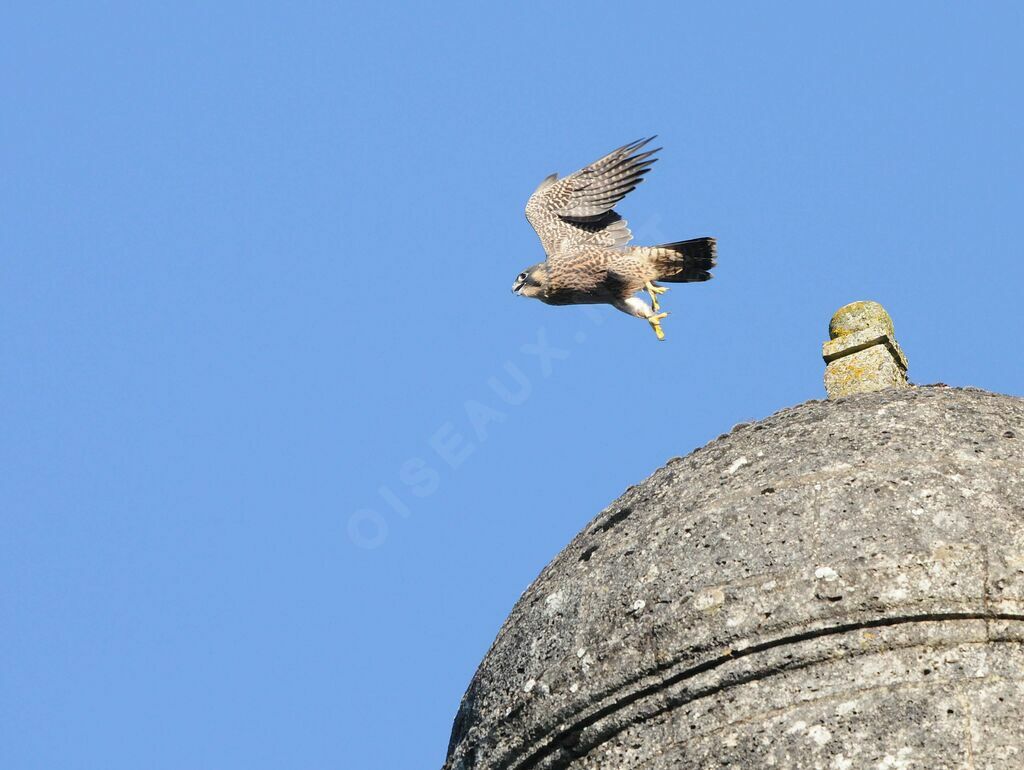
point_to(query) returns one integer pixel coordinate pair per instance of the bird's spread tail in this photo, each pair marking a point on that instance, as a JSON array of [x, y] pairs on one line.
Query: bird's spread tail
[[685, 261]]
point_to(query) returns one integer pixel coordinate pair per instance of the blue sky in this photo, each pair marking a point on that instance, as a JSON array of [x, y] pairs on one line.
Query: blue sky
[[263, 504]]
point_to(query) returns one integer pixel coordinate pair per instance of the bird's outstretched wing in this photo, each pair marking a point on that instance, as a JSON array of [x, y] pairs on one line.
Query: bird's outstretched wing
[[577, 210]]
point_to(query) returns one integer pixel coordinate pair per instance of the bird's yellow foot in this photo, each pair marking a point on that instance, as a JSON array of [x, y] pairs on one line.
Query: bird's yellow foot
[[654, 291], [655, 322]]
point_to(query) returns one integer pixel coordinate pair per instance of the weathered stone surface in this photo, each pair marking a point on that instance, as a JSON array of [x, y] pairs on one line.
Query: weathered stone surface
[[862, 354], [840, 585], [858, 316]]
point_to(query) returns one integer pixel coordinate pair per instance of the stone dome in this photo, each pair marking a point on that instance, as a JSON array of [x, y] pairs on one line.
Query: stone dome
[[840, 586]]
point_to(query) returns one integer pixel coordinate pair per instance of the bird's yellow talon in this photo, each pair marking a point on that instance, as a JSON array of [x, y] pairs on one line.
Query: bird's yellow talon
[[655, 322], [653, 291]]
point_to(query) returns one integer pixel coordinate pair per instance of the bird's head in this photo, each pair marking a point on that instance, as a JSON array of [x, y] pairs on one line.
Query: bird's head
[[530, 282]]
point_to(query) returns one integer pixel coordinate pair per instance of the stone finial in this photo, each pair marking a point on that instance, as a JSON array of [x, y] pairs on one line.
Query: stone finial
[[862, 354]]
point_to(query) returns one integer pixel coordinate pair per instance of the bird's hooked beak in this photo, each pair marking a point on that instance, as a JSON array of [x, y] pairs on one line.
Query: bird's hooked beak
[[518, 284], [529, 283]]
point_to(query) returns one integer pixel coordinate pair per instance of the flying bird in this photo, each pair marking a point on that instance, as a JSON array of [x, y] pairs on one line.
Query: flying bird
[[588, 259]]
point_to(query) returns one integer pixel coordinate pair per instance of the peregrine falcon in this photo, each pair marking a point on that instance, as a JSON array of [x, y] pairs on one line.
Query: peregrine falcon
[[588, 261]]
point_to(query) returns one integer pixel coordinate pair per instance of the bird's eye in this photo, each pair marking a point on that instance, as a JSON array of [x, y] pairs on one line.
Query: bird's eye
[[521, 277]]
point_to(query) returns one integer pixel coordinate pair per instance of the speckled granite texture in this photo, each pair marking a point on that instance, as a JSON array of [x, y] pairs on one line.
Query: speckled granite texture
[[840, 586]]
